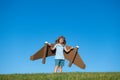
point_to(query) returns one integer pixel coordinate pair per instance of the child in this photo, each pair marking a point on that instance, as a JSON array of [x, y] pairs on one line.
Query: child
[[59, 56]]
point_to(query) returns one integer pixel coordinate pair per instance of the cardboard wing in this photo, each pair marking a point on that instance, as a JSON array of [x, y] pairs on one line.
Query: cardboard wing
[[73, 57]]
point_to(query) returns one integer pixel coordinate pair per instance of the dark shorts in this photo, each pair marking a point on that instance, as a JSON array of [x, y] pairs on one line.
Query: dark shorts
[[59, 62]]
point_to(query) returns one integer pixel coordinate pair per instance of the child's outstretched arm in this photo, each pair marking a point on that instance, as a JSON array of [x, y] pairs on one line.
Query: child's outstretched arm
[[51, 47], [68, 50]]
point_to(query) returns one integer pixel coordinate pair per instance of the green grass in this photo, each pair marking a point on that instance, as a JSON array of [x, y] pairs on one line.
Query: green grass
[[63, 76]]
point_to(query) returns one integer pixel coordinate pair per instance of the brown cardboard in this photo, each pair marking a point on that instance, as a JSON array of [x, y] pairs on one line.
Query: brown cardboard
[[72, 56]]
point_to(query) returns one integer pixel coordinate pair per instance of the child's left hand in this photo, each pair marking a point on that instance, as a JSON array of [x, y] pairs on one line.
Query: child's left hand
[[72, 47]]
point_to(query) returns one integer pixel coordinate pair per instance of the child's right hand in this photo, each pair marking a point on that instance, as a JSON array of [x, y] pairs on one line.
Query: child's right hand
[[72, 47]]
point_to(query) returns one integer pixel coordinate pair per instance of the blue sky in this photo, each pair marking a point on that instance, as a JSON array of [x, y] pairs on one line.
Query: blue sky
[[25, 25]]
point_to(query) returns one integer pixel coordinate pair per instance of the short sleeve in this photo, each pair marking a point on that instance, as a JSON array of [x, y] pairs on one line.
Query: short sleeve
[[55, 46]]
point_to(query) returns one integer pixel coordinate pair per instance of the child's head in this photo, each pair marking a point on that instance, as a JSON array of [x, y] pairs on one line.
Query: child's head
[[61, 40]]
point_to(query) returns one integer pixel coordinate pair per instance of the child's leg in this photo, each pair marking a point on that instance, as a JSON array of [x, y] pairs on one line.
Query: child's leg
[[60, 69], [56, 65], [61, 65], [55, 69]]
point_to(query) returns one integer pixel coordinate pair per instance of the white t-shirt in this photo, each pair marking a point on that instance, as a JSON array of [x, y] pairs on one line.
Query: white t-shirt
[[59, 51]]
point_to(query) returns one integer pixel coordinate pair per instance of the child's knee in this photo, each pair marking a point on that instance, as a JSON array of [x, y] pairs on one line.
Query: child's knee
[[60, 67], [56, 66]]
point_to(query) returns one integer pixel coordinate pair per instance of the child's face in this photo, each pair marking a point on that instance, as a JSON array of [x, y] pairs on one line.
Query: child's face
[[61, 40]]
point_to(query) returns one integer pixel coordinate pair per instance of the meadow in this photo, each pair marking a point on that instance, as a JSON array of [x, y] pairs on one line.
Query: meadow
[[63, 76]]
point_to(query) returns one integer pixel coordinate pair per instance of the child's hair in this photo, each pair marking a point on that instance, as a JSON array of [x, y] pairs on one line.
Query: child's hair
[[57, 41]]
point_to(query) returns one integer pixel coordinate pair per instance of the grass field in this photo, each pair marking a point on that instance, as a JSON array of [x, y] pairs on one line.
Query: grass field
[[63, 76]]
